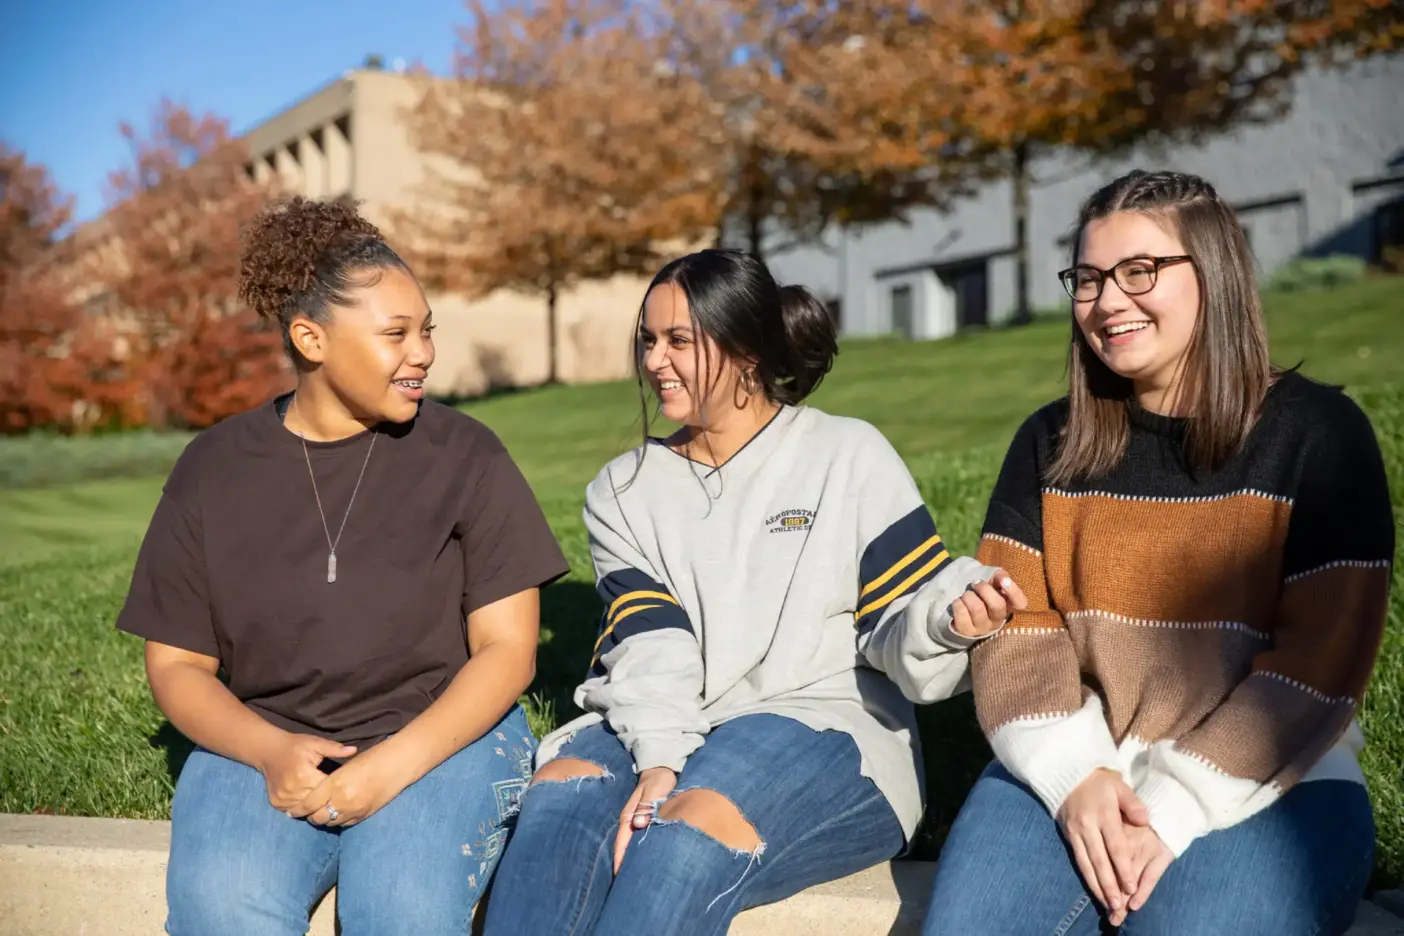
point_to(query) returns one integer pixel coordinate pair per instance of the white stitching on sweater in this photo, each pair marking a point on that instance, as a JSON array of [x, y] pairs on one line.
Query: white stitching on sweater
[[1037, 631], [1009, 541], [1175, 747], [1171, 625], [1338, 564], [1040, 717], [1203, 761], [1171, 500], [1316, 694]]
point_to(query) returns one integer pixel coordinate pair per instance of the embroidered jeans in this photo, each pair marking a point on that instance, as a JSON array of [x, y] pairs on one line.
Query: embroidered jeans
[[418, 865]]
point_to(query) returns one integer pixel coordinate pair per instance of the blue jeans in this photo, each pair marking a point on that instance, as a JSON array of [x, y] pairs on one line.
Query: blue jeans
[[817, 818], [1298, 867], [418, 865]]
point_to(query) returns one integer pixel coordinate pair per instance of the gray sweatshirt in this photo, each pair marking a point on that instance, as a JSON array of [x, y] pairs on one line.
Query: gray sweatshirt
[[803, 578]]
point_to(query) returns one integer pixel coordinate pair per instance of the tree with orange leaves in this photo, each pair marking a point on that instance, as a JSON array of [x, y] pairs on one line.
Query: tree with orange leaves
[[169, 263], [57, 369], [842, 97], [917, 102], [810, 119], [562, 151], [33, 318], [1103, 76]]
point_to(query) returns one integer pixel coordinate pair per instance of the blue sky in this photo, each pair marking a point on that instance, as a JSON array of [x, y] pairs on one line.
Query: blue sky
[[72, 70]]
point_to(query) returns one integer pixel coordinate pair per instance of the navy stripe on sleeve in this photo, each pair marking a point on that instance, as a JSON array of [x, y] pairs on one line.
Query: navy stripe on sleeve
[[634, 604], [898, 561]]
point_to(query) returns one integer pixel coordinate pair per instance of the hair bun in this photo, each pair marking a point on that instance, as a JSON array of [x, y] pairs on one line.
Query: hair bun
[[811, 341], [284, 245]]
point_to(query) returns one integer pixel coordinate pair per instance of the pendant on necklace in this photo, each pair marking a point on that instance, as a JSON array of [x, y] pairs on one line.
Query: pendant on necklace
[[331, 567]]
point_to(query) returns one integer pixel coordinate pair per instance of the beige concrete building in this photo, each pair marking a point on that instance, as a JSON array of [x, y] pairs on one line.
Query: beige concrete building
[[350, 139]]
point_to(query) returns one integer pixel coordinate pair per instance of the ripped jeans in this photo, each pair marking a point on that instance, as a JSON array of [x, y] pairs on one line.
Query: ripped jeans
[[816, 816]]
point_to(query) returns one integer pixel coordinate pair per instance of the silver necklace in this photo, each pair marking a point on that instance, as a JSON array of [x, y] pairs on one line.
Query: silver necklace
[[331, 544]]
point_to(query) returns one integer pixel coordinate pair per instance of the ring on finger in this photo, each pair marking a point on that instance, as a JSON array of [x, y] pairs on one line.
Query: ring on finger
[[332, 813]]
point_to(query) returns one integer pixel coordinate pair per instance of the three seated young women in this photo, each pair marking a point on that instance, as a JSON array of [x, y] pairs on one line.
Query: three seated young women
[[1176, 605]]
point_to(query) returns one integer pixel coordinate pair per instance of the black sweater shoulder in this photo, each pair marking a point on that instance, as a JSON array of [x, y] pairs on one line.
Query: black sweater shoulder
[[1015, 510]]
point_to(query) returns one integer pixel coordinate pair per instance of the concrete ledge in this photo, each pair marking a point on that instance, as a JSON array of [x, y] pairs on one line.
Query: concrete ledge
[[83, 877]]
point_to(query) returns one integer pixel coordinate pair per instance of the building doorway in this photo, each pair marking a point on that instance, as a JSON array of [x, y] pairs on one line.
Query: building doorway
[[969, 284]]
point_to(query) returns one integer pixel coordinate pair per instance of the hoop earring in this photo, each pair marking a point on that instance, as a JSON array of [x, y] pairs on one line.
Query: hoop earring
[[749, 384]]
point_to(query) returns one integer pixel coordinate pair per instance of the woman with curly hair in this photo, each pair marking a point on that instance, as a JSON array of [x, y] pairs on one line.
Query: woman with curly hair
[[339, 594]]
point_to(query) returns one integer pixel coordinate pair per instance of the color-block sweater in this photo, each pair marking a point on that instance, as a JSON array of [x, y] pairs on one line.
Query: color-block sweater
[[1210, 637], [803, 578]]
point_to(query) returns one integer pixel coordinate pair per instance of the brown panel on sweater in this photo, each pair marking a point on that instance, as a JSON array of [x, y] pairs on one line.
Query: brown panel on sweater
[[1273, 731], [1023, 564], [1028, 669], [1159, 682], [1329, 628], [1167, 560]]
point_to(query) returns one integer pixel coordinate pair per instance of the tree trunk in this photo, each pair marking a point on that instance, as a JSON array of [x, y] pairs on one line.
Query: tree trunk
[[552, 374], [755, 225], [756, 205], [1020, 180]]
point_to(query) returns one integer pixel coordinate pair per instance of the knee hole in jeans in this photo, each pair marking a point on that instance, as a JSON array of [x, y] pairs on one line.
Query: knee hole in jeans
[[564, 769], [713, 815]]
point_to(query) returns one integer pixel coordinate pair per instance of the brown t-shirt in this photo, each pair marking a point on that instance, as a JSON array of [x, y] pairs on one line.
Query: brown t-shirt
[[234, 564]]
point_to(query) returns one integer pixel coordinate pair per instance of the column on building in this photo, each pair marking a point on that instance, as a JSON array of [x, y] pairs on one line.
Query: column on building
[[336, 152], [313, 163], [289, 172]]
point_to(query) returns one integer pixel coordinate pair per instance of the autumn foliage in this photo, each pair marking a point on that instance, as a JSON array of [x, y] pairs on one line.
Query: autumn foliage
[[580, 139], [132, 318], [57, 369], [594, 124], [168, 265], [923, 101], [547, 81]]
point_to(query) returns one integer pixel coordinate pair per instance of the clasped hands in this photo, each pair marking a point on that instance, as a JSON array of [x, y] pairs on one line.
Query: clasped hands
[[348, 795], [1118, 854]]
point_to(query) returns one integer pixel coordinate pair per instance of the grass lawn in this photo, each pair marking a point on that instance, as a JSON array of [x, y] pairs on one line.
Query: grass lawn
[[79, 734]]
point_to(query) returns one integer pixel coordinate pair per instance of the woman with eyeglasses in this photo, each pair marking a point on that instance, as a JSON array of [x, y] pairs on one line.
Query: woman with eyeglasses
[[1205, 542]]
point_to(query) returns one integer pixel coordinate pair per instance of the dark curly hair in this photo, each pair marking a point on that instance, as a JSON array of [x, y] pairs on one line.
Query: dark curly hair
[[302, 256]]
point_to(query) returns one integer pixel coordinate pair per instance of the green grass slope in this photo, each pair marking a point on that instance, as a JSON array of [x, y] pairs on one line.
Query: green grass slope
[[79, 734]]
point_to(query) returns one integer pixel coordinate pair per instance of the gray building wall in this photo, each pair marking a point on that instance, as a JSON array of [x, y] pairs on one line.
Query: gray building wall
[[1309, 184]]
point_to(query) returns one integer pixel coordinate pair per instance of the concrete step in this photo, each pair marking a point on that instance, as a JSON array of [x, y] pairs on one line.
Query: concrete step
[[84, 877], [67, 876]]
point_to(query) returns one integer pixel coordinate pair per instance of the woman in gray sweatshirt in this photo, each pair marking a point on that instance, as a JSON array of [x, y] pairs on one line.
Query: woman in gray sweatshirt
[[776, 597]]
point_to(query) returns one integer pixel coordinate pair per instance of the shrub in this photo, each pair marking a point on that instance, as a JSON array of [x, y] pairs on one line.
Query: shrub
[[1312, 273]]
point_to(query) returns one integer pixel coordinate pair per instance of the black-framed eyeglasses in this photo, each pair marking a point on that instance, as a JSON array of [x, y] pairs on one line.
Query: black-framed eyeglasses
[[1134, 275]]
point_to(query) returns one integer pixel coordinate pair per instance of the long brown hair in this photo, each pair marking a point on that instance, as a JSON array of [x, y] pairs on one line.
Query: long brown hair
[[1226, 370]]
